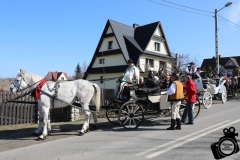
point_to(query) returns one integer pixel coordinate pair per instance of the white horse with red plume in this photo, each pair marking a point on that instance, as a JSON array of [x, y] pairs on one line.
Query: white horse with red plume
[[63, 94]]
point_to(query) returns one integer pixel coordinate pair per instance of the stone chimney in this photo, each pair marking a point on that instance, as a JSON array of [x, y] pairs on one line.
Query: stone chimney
[[135, 25]]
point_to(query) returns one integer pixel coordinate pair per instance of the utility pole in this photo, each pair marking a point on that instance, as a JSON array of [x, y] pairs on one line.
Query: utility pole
[[216, 35], [216, 41]]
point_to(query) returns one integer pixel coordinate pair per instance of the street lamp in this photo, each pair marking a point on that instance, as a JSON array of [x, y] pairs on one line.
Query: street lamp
[[216, 35]]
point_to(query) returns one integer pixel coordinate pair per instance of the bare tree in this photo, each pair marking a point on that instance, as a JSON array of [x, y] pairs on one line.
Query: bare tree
[[180, 61]]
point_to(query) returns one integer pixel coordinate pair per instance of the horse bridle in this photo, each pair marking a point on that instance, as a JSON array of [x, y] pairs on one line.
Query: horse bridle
[[28, 86]]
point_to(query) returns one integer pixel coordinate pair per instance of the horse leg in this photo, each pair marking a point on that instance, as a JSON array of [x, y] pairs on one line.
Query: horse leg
[[95, 120], [40, 123], [48, 124], [45, 111], [86, 122]]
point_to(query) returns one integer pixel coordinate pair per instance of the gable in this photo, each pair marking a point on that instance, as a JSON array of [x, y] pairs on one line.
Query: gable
[[105, 44], [230, 63], [62, 76], [157, 32], [109, 30], [162, 46]]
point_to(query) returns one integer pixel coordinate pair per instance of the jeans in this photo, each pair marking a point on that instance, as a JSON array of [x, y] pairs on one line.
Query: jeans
[[188, 112]]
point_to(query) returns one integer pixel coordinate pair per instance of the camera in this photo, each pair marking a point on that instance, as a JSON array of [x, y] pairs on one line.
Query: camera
[[227, 145]]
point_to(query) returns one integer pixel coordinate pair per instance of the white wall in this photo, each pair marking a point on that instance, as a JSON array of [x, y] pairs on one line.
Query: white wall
[[142, 62], [151, 47], [109, 30], [157, 32], [108, 84], [104, 45], [112, 60]]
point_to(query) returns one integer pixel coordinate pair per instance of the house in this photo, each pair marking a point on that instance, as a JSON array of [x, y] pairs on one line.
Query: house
[[146, 45], [57, 76], [226, 64]]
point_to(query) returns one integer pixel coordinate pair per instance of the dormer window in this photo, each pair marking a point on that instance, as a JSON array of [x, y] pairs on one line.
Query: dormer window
[[110, 44], [101, 61], [157, 46]]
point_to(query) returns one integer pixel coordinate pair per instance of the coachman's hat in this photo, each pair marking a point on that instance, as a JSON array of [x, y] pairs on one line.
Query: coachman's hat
[[192, 63], [130, 61]]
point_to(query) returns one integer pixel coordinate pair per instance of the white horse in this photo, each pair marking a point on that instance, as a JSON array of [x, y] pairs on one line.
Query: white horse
[[70, 91]]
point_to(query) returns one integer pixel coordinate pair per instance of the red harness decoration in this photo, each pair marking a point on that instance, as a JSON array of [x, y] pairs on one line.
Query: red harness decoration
[[36, 94]]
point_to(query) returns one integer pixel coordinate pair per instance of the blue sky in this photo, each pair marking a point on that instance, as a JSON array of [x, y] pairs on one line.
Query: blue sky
[[54, 35]]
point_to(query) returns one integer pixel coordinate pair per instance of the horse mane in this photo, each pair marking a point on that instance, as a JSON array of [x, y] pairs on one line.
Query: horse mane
[[31, 78]]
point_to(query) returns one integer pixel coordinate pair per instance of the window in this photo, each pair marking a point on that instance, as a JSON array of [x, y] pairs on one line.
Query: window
[[101, 61], [110, 44], [149, 62], [101, 79], [230, 63], [62, 78], [162, 64], [229, 72], [157, 46]]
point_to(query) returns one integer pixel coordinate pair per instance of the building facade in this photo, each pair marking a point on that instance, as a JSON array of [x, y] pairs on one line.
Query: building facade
[[146, 45]]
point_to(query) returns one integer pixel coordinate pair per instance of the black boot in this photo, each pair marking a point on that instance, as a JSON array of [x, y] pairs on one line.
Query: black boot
[[172, 125], [178, 127]]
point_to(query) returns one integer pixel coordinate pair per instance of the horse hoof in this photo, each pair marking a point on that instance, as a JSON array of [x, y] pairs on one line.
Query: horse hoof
[[39, 139], [87, 130], [35, 134], [81, 134]]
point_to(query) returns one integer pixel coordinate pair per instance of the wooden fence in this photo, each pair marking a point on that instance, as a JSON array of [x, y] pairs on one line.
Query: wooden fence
[[26, 110], [17, 113]]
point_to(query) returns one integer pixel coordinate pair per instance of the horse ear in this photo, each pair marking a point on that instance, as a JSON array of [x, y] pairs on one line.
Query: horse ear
[[21, 72]]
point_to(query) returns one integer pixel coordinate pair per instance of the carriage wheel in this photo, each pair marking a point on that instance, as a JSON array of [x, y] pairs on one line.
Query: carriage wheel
[[112, 113], [112, 116], [196, 108], [207, 99], [224, 95], [131, 115]]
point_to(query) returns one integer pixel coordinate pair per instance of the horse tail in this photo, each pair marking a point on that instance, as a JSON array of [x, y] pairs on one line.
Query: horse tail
[[96, 96]]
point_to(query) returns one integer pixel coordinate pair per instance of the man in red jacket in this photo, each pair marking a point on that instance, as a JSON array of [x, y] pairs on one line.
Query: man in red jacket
[[190, 99]]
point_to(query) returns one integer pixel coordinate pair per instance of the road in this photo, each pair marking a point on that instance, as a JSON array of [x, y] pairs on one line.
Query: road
[[150, 141]]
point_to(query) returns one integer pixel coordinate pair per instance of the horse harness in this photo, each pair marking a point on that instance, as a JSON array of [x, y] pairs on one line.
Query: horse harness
[[55, 89]]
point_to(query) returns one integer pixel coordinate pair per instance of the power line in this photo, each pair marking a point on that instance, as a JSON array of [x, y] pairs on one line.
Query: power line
[[105, 8], [187, 7], [228, 20], [179, 8], [229, 24]]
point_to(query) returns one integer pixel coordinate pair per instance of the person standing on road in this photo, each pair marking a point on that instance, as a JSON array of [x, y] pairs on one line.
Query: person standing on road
[[190, 99], [175, 95]]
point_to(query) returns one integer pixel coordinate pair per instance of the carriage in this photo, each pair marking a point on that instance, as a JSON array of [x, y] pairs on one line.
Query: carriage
[[207, 88], [128, 111], [136, 102]]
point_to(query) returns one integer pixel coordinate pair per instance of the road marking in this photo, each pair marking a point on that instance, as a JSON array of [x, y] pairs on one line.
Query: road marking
[[188, 140], [179, 139]]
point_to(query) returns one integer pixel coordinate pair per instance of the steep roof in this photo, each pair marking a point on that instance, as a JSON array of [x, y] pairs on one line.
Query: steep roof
[[143, 34], [120, 30]]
